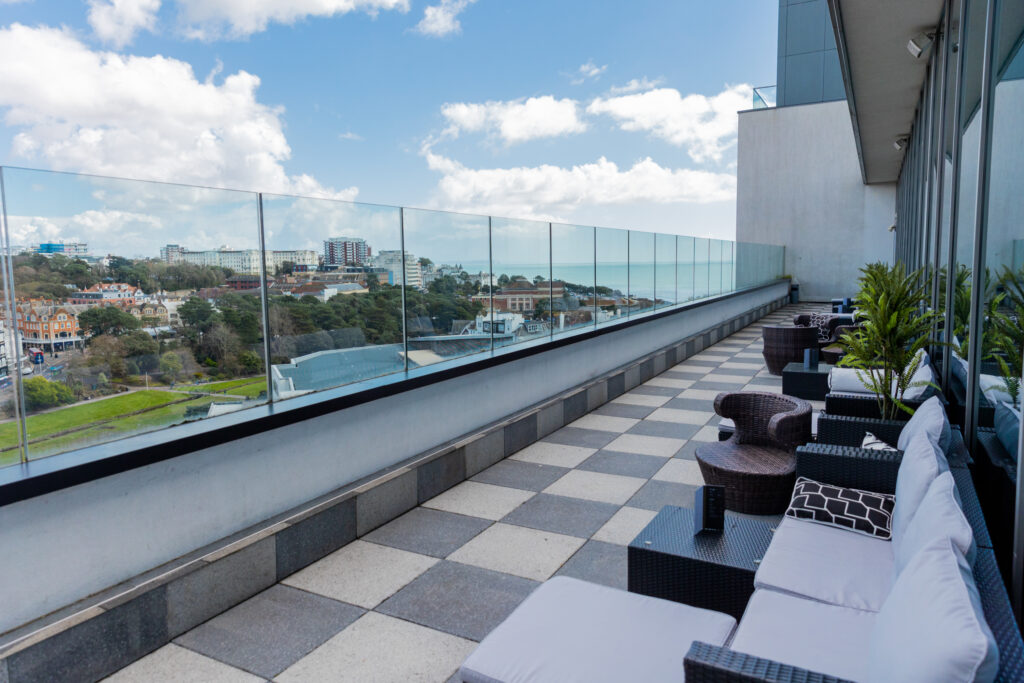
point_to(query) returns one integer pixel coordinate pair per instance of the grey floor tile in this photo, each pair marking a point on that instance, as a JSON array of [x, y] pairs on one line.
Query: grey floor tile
[[655, 495], [562, 515], [598, 562], [717, 386], [588, 438], [679, 373], [627, 464], [271, 631], [516, 474], [429, 532], [459, 599], [691, 404], [654, 391], [673, 430], [624, 410]]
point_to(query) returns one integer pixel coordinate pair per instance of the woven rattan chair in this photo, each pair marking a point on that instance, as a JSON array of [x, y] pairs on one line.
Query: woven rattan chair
[[784, 344], [756, 465]]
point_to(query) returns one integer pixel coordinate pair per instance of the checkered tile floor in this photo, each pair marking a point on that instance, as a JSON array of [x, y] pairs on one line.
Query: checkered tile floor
[[410, 600]]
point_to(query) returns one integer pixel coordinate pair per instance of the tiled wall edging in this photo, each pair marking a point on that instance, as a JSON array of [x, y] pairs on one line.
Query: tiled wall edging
[[108, 631]]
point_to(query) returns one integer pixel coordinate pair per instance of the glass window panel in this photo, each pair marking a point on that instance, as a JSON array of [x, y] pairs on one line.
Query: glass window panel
[[1003, 314], [715, 267], [612, 273], [335, 302], [702, 249], [133, 306], [728, 261], [445, 319], [641, 272], [523, 299], [665, 271], [572, 265], [684, 268]]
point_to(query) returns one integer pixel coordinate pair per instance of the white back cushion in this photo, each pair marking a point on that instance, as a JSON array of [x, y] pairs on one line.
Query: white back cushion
[[930, 419], [938, 516], [919, 382], [922, 462], [931, 628]]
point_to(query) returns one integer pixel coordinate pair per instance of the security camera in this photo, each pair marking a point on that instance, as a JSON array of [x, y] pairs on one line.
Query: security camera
[[917, 45]]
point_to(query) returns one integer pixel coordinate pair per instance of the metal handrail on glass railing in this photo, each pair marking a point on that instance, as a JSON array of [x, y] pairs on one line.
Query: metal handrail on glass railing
[[132, 306], [764, 97]]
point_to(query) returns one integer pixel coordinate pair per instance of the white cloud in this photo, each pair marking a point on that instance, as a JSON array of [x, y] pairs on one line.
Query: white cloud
[[636, 85], [705, 126], [349, 135], [588, 70], [551, 192], [140, 117], [211, 19], [515, 120], [117, 21], [442, 20]]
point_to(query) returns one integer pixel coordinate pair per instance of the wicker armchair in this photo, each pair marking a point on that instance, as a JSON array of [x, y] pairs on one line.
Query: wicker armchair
[[838, 325], [756, 464], [784, 344]]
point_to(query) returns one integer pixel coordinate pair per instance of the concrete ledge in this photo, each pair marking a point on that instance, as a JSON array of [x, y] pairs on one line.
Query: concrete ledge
[[107, 631]]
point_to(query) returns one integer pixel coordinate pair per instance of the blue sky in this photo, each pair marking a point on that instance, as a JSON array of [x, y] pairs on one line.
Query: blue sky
[[515, 108]]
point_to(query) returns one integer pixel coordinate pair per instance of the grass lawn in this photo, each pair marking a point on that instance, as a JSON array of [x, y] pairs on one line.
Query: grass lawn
[[84, 413], [215, 387]]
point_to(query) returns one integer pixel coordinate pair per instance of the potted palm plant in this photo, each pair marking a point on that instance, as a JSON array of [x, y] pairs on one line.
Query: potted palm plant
[[1008, 332], [895, 327]]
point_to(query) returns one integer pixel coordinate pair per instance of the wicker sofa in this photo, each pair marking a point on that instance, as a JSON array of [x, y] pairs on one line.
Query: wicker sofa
[[834, 617]]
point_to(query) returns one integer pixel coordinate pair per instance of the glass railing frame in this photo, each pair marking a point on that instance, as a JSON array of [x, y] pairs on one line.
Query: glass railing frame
[[727, 285]]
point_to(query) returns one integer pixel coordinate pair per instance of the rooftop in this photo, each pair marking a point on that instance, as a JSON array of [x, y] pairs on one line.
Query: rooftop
[[410, 600]]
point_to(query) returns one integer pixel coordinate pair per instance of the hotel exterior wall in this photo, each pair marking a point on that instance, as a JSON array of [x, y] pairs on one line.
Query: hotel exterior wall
[[799, 184], [81, 540]]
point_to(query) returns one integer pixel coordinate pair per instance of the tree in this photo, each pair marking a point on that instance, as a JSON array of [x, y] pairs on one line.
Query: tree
[[197, 313], [107, 320], [41, 393], [424, 262], [107, 351], [171, 365], [286, 268], [372, 282], [141, 348], [503, 280]]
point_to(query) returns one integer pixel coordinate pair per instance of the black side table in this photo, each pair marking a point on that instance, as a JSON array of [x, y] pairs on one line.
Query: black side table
[[806, 383], [713, 571]]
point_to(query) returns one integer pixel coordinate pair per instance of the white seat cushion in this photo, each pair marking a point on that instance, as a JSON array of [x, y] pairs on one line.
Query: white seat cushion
[[938, 516], [846, 381], [920, 381], [827, 564], [922, 461], [571, 630], [812, 635], [994, 388], [932, 628], [930, 419]]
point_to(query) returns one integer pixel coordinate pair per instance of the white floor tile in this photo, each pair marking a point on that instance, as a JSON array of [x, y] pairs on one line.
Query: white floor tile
[[624, 526], [690, 417], [605, 423], [669, 383], [700, 394], [175, 664], [361, 573], [730, 379], [379, 648], [771, 389], [660, 446], [733, 365], [642, 400], [546, 453], [680, 471], [480, 500], [597, 486], [528, 553], [708, 433]]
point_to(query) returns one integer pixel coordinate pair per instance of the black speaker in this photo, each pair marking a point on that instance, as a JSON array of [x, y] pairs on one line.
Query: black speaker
[[709, 509], [811, 358]]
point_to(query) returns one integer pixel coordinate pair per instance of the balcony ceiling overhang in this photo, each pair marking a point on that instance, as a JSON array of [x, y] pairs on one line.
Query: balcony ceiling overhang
[[883, 80]]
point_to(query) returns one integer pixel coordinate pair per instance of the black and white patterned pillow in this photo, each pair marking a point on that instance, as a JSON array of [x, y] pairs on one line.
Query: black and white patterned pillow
[[873, 443], [864, 512], [821, 321]]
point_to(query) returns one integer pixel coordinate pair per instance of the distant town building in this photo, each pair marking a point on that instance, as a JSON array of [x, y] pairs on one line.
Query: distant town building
[[391, 260], [324, 291], [171, 254], [150, 314], [48, 325], [71, 249], [346, 251], [244, 261], [240, 282], [522, 296], [108, 294]]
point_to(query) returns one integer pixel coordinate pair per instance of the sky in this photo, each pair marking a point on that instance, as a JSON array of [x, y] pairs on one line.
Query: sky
[[590, 112]]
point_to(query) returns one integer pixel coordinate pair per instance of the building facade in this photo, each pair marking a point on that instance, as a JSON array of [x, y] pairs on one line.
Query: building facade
[[244, 261], [71, 249], [108, 294], [391, 261], [346, 251], [47, 325]]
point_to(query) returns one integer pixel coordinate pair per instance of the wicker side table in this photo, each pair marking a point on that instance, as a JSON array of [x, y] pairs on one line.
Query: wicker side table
[[806, 383], [713, 571]]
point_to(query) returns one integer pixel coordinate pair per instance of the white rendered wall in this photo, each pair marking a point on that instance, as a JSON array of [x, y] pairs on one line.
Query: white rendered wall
[[799, 185], [67, 545]]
